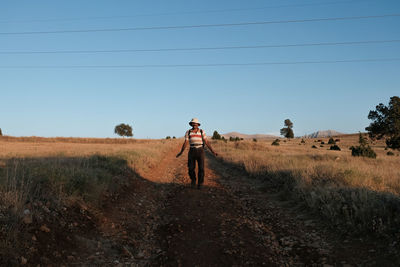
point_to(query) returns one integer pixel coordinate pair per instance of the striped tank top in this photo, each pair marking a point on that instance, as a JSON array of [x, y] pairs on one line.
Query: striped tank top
[[195, 139]]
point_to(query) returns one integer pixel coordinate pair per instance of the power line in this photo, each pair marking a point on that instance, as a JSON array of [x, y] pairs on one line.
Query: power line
[[198, 48], [187, 12], [200, 65], [201, 25]]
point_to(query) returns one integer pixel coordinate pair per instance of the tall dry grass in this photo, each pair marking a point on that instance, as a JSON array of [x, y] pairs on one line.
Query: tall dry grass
[[37, 175], [360, 193], [70, 168]]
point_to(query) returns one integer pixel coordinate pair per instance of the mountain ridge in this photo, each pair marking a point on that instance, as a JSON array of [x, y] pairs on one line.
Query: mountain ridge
[[322, 134], [248, 136]]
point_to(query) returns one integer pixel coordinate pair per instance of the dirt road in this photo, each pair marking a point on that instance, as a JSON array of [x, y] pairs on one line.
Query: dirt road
[[234, 220]]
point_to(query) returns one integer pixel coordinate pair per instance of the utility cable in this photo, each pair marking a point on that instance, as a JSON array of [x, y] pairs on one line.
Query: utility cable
[[187, 12], [199, 65], [200, 48], [201, 25]]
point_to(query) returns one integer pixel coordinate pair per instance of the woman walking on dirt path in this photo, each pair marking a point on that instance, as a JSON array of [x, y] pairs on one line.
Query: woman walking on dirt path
[[197, 140]]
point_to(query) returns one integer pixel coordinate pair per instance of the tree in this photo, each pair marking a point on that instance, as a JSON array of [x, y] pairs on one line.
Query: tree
[[386, 123], [216, 136], [363, 150], [168, 137], [287, 131], [1, 133], [123, 130]]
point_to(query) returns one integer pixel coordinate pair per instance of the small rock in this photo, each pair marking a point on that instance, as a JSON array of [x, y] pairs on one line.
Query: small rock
[[44, 228], [46, 209], [23, 261], [27, 219], [140, 255]]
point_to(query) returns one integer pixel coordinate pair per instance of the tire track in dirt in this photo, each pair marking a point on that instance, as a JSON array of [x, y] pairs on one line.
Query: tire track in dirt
[[205, 227], [233, 221]]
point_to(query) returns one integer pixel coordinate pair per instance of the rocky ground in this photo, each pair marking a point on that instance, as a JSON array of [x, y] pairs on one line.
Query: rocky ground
[[158, 220]]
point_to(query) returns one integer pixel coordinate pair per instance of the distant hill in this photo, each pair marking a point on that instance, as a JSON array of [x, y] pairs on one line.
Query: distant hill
[[323, 134], [248, 136]]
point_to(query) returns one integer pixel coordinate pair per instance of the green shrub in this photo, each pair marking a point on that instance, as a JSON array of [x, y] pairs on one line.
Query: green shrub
[[363, 150], [390, 153], [254, 139], [331, 141], [275, 142], [313, 146], [322, 143], [303, 141], [335, 147], [216, 136], [168, 137]]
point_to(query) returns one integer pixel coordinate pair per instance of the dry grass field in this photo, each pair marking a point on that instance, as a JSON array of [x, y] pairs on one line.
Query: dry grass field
[[361, 193], [24, 160], [53, 184], [39, 174]]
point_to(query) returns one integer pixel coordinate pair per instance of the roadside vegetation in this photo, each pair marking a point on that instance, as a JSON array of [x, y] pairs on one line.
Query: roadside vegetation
[[41, 179], [359, 193]]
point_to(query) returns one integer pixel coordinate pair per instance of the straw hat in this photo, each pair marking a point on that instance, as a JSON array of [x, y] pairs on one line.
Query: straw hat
[[194, 120]]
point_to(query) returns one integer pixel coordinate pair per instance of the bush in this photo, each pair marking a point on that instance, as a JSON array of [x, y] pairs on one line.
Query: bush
[[313, 146], [322, 143], [363, 150], [335, 147], [337, 140], [303, 141], [331, 141], [254, 140], [168, 137], [234, 139], [276, 142], [173, 137], [216, 136], [390, 153]]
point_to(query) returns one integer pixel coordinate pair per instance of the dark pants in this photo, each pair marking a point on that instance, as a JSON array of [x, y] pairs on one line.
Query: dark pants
[[196, 154]]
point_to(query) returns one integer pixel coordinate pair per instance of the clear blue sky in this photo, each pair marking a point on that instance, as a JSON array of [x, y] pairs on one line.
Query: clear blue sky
[[160, 101]]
